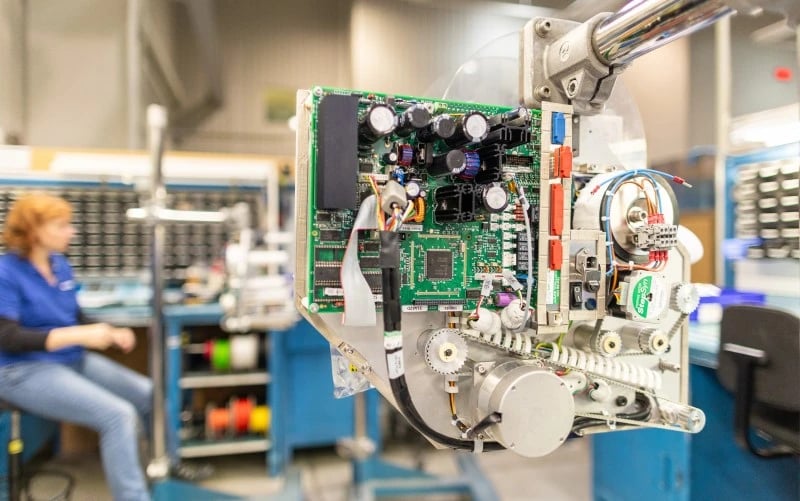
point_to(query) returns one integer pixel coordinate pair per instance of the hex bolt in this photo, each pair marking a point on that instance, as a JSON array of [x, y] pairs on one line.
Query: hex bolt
[[481, 369], [572, 87]]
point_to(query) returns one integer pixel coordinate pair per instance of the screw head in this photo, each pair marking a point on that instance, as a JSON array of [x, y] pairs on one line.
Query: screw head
[[572, 87], [622, 401], [313, 308]]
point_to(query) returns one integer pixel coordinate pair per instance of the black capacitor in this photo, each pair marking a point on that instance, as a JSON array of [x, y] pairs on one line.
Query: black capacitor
[[450, 164], [379, 121], [442, 127], [390, 157], [471, 127], [414, 118], [518, 117]]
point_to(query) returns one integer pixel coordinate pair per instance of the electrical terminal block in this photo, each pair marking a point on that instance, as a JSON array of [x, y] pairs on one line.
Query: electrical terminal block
[[656, 237]]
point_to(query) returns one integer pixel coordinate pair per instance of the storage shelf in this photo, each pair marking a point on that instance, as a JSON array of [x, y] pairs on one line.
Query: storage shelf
[[215, 380], [223, 447]]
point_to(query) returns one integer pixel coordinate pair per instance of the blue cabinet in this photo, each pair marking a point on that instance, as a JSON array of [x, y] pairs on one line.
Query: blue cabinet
[[309, 415]]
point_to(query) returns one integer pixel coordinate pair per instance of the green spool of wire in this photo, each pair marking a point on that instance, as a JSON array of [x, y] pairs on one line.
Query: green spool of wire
[[221, 355]]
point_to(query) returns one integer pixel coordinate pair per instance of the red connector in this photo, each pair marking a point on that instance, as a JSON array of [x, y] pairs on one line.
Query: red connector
[[658, 255], [555, 254], [556, 209], [562, 162], [680, 180]]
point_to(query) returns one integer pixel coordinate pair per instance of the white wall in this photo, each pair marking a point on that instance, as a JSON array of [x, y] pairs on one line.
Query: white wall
[[268, 44], [76, 73], [660, 85], [406, 47]]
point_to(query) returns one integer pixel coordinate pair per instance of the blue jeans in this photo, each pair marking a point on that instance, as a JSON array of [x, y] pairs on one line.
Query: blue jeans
[[97, 393]]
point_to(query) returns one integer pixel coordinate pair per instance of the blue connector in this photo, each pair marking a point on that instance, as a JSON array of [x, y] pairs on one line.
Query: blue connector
[[559, 128]]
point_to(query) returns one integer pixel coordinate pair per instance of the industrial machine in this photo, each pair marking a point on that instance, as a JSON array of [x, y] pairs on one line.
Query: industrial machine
[[497, 293]]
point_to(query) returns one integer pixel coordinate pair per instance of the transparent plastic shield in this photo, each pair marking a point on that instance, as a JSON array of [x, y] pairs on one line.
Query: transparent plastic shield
[[491, 75]]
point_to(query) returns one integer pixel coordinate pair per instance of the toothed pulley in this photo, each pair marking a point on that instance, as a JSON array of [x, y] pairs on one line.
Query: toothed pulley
[[685, 298], [444, 349]]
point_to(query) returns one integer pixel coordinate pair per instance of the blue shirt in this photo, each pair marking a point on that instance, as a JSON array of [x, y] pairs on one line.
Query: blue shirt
[[27, 298]]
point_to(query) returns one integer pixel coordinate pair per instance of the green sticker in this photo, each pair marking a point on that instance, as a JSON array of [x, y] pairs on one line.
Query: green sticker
[[641, 296]]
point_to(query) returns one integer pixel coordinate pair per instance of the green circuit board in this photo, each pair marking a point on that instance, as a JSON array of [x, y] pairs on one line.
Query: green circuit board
[[444, 263]]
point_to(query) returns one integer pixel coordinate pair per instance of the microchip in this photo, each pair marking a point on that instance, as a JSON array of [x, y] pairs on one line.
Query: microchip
[[330, 235], [369, 262], [364, 166], [438, 265], [374, 281], [326, 274], [473, 293], [404, 278], [324, 217], [372, 246]]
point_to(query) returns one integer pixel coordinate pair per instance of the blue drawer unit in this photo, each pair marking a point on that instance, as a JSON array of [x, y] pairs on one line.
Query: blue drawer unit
[[308, 414]]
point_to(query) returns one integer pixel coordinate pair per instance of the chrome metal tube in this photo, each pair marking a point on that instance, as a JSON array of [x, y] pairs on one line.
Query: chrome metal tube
[[645, 25], [157, 124]]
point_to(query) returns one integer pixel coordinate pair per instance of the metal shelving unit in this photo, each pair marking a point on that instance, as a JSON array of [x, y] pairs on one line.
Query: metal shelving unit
[[179, 380], [225, 447], [192, 380]]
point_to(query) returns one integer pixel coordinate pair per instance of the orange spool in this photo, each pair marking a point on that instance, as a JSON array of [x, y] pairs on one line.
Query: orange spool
[[217, 422]]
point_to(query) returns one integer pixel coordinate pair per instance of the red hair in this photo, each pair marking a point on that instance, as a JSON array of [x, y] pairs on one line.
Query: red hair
[[27, 215]]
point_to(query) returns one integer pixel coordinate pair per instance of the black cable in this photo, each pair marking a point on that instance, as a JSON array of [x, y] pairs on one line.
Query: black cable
[[643, 413], [390, 264]]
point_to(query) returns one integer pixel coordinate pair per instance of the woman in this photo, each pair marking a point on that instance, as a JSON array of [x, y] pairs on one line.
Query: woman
[[45, 368]]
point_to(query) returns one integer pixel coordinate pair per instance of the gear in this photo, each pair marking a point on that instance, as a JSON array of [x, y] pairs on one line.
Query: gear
[[445, 351], [685, 298]]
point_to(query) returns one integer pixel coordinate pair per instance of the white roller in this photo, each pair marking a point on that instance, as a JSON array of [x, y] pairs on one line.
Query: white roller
[[244, 352]]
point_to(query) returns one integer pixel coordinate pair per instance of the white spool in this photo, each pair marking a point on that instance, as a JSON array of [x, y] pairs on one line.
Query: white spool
[[244, 352]]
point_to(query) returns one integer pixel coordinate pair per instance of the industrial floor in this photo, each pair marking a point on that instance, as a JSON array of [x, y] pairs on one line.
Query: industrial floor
[[563, 475]]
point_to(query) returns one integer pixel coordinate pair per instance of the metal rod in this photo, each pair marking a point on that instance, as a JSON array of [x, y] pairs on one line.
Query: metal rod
[[723, 84], [156, 132], [645, 25]]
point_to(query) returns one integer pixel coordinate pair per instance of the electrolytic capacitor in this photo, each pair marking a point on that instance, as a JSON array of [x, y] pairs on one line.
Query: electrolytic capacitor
[[495, 198], [405, 155], [379, 121], [414, 118], [473, 165], [413, 189], [390, 158], [470, 128], [450, 164], [400, 176], [516, 118], [442, 127]]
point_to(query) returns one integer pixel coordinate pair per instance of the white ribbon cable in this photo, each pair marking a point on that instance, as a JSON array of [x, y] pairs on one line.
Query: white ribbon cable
[[359, 303]]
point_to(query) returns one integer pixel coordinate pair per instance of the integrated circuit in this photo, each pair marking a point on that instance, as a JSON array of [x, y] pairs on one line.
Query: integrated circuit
[[438, 264], [331, 235], [325, 274]]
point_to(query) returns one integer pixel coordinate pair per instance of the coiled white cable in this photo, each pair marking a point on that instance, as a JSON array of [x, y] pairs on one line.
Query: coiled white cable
[[611, 368]]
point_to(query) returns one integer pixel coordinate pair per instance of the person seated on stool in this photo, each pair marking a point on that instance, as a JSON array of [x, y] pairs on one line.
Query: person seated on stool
[[45, 368]]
